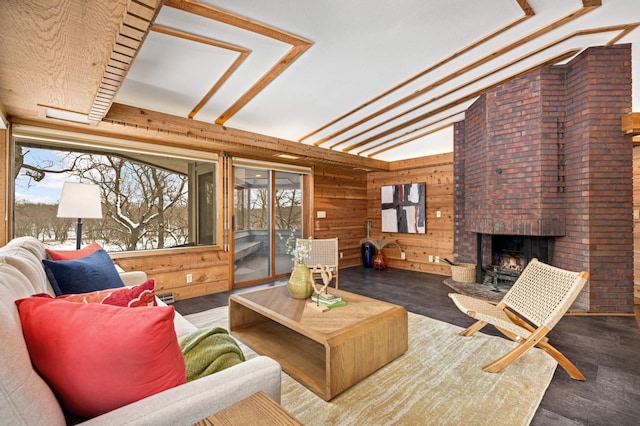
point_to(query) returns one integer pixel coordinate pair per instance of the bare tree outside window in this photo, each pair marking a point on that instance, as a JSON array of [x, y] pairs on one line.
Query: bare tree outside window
[[144, 206], [288, 208]]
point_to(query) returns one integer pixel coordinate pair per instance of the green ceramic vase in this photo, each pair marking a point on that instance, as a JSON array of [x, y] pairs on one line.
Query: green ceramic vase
[[299, 284]]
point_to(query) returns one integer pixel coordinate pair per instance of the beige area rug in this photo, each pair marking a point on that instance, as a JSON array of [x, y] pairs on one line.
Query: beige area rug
[[438, 381]]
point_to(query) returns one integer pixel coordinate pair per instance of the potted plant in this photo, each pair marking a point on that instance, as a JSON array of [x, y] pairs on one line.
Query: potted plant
[[379, 261]]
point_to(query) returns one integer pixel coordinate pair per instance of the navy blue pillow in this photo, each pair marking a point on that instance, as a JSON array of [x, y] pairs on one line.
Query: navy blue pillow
[[91, 273]]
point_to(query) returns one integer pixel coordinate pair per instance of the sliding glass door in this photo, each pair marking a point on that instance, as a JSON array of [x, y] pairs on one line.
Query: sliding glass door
[[267, 213], [288, 217], [252, 238]]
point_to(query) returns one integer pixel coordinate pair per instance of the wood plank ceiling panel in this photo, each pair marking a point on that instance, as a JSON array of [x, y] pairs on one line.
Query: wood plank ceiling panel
[[133, 29]]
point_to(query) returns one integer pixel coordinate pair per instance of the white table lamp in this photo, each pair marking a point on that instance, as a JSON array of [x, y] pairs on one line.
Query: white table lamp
[[80, 200]]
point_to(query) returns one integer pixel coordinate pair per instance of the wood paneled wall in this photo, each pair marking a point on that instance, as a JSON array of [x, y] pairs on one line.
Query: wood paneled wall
[[208, 267], [437, 173], [348, 197], [341, 193], [338, 191]]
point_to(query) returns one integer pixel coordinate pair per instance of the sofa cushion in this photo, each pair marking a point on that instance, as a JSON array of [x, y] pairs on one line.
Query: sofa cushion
[[90, 273], [26, 254], [139, 295], [73, 254], [25, 397], [96, 360], [32, 245]]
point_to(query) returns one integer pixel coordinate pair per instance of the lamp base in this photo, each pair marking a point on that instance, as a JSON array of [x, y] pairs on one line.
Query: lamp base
[[78, 234]]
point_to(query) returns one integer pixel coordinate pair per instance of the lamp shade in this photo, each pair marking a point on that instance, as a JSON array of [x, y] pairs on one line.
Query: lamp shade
[[80, 200]]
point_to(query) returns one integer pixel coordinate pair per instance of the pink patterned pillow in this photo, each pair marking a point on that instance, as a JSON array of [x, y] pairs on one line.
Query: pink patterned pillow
[[139, 295]]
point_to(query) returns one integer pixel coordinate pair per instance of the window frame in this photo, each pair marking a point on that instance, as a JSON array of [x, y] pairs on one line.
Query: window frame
[[70, 140]]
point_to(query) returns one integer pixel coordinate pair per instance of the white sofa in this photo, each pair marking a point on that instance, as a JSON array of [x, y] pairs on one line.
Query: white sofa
[[25, 398]]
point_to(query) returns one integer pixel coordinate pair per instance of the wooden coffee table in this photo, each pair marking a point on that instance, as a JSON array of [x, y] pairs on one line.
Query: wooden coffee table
[[328, 352]]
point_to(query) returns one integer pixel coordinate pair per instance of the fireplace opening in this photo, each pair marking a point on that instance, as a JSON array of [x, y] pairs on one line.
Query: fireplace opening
[[514, 252], [510, 254]]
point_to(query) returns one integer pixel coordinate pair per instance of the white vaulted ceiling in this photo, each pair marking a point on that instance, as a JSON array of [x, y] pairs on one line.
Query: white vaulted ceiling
[[383, 79]]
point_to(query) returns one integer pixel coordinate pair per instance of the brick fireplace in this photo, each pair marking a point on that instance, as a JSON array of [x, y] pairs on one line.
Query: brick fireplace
[[543, 156], [508, 255]]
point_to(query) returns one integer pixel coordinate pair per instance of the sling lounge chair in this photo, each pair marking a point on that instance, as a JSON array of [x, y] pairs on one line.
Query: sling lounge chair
[[535, 303]]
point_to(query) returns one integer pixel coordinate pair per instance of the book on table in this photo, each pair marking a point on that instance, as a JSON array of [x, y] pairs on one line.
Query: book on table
[[330, 301], [327, 297]]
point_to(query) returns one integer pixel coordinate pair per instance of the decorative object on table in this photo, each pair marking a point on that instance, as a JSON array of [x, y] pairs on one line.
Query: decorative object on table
[[300, 284], [320, 292], [325, 274], [367, 248], [379, 261], [403, 208], [80, 200], [328, 301]]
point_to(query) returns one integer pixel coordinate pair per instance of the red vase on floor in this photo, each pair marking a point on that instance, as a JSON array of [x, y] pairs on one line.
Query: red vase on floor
[[380, 261]]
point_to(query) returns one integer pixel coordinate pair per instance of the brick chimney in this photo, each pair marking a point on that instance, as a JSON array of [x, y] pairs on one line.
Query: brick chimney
[[544, 155]]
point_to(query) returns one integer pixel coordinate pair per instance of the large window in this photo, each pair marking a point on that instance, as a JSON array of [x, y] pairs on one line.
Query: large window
[[149, 201]]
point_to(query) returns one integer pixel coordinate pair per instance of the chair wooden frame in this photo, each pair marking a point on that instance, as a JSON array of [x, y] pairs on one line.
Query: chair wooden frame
[[323, 252], [531, 308]]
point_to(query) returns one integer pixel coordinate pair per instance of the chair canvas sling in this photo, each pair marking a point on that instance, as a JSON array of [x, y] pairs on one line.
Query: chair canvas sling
[[530, 309], [323, 252]]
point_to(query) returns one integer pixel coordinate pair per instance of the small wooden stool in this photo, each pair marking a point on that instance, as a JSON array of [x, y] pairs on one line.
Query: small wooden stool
[[258, 409]]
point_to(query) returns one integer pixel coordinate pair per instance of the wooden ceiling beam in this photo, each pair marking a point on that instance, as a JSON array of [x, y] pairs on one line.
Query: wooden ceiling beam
[[132, 31], [299, 45], [140, 123], [430, 161], [621, 29], [459, 101], [631, 124], [586, 7], [411, 139], [527, 13], [243, 53]]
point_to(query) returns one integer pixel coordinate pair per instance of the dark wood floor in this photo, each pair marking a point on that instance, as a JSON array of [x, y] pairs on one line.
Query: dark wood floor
[[605, 349]]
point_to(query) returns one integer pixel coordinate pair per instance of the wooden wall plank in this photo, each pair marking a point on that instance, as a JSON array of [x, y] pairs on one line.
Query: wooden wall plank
[[438, 238], [208, 267], [348, 198], [342, 194]]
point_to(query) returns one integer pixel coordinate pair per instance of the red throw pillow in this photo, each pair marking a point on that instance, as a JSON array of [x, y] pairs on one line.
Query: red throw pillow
[[139, 295], [100, 357], [73, 254]]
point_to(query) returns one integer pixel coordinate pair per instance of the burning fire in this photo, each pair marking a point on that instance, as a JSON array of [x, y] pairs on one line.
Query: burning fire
[[511, 263]]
